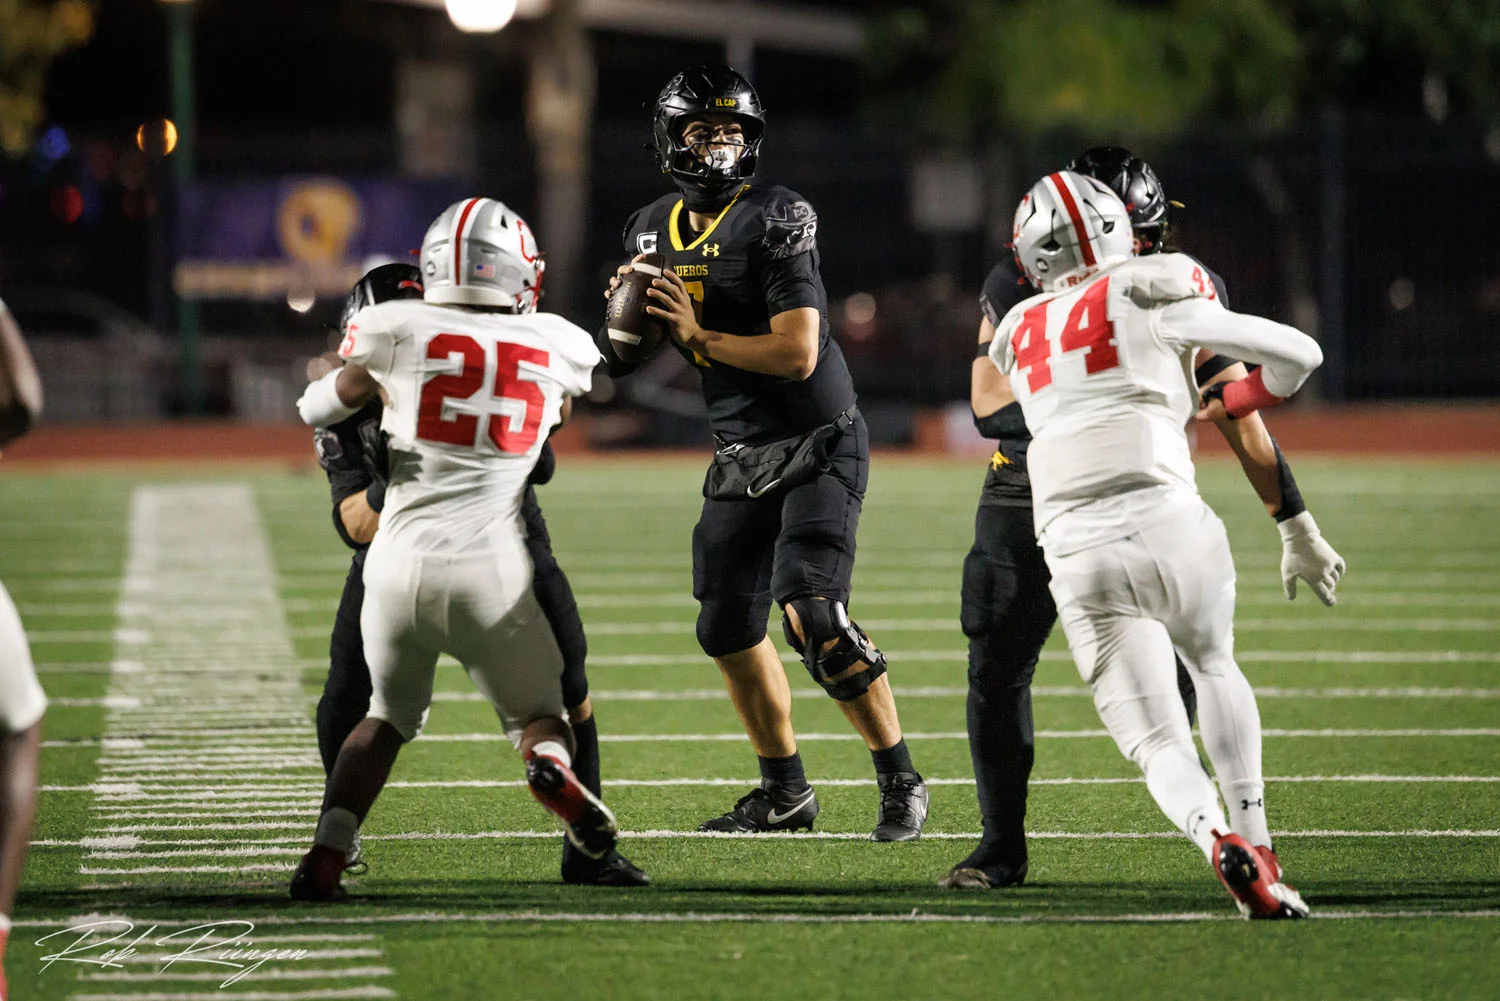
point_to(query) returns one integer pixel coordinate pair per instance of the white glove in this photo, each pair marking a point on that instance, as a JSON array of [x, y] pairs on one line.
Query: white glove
[[1304, 554]]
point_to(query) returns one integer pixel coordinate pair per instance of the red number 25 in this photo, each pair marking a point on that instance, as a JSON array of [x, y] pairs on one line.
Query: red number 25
[[463, 429]]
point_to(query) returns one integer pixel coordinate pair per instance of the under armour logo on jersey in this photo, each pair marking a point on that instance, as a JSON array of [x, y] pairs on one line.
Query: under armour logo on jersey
[[710, 250], [645, 243], [1246, 804]]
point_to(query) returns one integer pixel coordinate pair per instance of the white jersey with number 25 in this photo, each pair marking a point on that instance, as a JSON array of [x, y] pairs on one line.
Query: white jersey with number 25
[[470, 399], [1104, 375]]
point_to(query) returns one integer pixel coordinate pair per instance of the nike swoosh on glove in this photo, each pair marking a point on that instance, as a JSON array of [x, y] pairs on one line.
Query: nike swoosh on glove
[[1304, 554]]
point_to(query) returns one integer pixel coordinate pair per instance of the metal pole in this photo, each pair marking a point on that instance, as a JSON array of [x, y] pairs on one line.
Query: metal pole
[[1334, 204], [184, 169]]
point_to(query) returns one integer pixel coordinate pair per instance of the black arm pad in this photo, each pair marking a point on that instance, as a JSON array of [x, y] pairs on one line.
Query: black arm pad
[[546, 465], [613, 365], [1291, 497], [1007, 422], [1213, 367]]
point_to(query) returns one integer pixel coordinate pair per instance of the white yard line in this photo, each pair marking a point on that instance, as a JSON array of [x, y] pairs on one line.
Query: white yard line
[[750, 917], [291, 801], [287, 845], [200, 592]]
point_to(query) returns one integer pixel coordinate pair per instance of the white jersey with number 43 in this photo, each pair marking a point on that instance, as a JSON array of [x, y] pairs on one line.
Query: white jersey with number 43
[[1104, 375], [470, 399]]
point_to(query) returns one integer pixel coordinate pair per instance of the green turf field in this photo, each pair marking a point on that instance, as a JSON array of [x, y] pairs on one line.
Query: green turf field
[[180, 626]]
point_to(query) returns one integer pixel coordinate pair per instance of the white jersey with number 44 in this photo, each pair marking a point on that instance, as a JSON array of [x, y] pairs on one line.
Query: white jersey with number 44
[[470, 399], [1104, 375]]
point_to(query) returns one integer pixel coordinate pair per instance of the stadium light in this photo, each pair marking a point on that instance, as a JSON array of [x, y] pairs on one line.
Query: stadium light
[[480, 16]]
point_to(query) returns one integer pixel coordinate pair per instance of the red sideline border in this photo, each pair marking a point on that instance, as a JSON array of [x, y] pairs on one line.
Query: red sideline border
[[1367, 431]]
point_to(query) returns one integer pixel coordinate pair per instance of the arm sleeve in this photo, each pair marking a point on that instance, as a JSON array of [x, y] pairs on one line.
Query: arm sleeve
[[1287, 356]]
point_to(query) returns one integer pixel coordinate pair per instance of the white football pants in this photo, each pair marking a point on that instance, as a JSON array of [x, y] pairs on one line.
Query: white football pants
[[21, 700], [477, 606], [1126, 606]]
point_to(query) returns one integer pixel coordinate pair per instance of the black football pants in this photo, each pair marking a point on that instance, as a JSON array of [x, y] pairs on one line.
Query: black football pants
[[1007, 613]]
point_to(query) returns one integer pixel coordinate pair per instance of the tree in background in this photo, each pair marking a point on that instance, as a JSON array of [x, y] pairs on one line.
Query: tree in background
[[32, 34]]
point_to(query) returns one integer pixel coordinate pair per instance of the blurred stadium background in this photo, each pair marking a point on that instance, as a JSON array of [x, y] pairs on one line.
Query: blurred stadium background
[[189, 186]]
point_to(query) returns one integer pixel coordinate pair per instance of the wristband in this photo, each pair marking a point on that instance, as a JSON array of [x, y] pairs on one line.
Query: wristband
[[320, 405], [1245, 396], [1291, 497]]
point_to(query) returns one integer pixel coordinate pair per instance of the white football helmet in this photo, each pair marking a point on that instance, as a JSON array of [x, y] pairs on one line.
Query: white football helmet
[[1068, 227], [480, 253]]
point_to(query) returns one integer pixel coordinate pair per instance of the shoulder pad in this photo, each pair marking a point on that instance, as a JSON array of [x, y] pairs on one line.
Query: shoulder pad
[[1163, 278], [1003, 288], [791, 225]]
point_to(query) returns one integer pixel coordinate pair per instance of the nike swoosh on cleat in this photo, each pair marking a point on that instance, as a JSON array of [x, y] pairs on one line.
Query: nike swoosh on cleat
[[775, 818]]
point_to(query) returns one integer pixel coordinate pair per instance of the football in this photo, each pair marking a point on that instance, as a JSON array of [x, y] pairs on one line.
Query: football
[[634, 333]]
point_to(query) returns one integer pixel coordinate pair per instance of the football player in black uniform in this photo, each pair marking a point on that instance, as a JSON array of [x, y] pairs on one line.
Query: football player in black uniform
[[744, 302], [1007, 610], [352, 453]]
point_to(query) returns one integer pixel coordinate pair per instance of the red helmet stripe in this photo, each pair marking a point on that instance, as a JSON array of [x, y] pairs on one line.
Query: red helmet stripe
[[1065, 193], [458, 241]]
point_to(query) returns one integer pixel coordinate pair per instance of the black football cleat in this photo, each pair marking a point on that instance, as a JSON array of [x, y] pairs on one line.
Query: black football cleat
[[587, 822], [317, 876], [613, 869], [903, 807], [764, 810], [987, 876]]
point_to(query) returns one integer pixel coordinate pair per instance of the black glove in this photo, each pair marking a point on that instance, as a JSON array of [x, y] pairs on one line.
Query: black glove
[[377, 461]]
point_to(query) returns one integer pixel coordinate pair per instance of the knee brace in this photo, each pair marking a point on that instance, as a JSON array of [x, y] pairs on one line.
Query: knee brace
[[824, 621]]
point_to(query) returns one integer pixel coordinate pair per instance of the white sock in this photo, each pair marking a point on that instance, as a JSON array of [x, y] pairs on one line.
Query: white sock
[[1186, 795], [4, 924], [1231, 735], [553, 749], [337, 829], [1246, 800]]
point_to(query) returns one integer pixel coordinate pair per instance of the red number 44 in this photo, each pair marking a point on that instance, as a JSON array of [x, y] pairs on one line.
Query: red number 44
[[463, 429], [1088, 327]]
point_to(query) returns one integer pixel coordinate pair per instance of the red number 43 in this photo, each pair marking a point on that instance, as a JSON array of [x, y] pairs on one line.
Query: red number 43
[[1089, 327], [509, 387]]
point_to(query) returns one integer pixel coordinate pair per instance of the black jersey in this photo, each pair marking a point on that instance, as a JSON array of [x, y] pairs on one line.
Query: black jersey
[[1007, 484], [758, 258]]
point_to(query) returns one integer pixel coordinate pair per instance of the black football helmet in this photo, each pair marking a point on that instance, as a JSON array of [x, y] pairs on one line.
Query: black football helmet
[[382, 284], [705, 90], [1137, 185]]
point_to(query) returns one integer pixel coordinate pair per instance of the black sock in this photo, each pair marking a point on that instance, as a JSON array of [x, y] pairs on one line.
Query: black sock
[[895, 758], [786, 772], [586, 757]]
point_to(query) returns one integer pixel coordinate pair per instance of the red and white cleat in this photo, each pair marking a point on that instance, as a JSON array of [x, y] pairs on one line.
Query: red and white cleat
[[317, 875], [589, 824], [1253, 877]]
